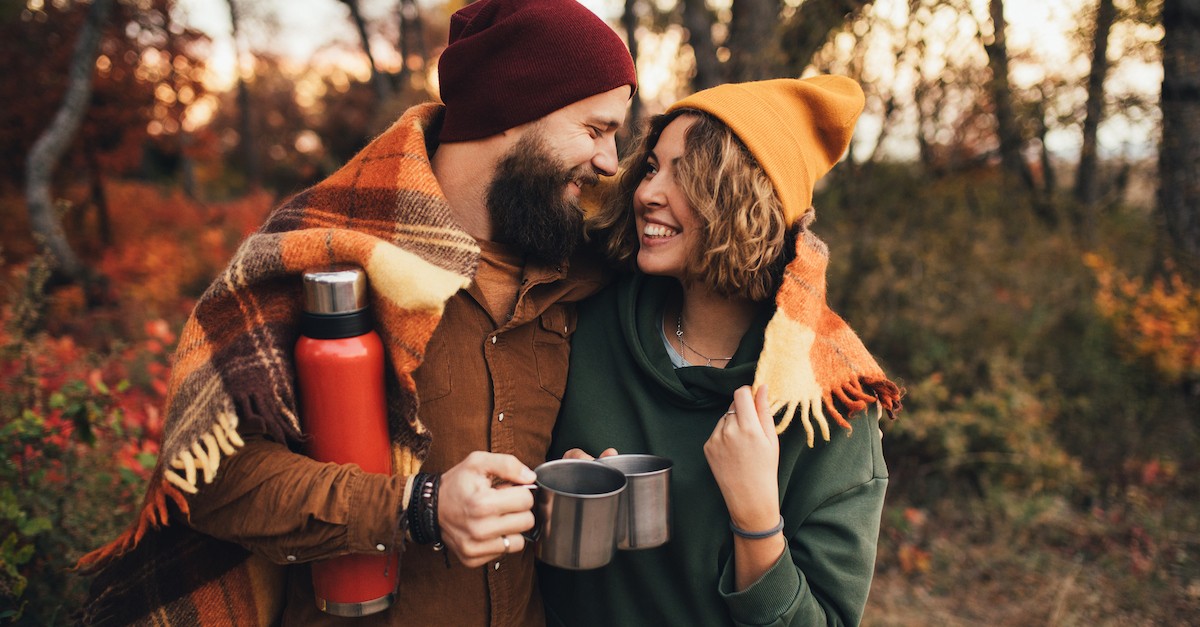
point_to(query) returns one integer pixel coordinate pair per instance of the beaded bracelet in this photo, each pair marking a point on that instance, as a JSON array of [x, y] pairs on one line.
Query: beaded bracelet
[[422, 513], [756, 535], [415, 529], [429, 511]]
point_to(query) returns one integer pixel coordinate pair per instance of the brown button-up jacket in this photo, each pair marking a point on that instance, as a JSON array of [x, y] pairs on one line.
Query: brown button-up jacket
[[485, 385]]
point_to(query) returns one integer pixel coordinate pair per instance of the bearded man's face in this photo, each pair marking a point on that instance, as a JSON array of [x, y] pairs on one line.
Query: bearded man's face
[[533, 200]]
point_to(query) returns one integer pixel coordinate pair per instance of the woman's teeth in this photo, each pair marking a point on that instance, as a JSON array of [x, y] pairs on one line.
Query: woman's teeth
[[658, 230]]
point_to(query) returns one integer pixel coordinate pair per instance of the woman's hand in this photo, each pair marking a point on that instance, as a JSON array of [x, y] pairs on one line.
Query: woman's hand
[[743, 453], [578, 453]]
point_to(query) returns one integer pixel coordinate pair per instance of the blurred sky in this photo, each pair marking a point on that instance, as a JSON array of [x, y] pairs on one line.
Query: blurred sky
[[307, 30], [306, 26]]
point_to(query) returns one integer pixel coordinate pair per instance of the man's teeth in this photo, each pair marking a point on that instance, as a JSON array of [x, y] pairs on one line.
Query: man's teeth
[[658, 230]]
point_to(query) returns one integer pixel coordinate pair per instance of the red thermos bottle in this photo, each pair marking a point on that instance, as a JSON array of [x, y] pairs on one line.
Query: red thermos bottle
[[339, 364]]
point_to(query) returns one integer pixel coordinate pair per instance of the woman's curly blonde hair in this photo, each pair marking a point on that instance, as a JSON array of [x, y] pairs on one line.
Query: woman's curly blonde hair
[[742, 249]]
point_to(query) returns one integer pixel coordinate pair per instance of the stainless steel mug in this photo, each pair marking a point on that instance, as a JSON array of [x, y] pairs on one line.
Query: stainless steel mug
[[576, 509], [644, 521]]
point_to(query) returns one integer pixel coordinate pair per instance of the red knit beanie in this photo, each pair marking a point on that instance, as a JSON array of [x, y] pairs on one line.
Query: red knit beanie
[[513, 61]]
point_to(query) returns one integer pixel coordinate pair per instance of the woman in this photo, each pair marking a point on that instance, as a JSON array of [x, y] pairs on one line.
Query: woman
[[728, 291]]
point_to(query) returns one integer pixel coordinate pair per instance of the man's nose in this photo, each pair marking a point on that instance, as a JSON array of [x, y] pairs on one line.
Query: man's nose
[[605, 159]]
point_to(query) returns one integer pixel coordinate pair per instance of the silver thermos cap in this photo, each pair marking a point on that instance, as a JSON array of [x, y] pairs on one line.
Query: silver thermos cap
[[336, 289]]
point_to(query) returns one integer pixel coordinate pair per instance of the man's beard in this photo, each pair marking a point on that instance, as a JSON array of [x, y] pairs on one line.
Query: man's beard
[[528, 203]]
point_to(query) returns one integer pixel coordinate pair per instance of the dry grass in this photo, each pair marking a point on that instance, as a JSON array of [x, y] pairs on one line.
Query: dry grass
[[1041, 563]]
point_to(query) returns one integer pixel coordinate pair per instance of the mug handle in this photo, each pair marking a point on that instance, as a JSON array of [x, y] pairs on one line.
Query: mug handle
[[536, 532]]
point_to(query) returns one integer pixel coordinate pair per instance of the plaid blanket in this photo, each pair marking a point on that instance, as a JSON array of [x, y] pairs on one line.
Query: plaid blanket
[[811, 356], [383, 211]]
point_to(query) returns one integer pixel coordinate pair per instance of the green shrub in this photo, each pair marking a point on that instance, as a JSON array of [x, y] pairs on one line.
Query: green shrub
[[76, 447], [1016, 379]]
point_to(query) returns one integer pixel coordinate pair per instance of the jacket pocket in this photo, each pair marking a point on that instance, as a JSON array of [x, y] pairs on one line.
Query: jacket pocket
[[433, 375], [552, 348]]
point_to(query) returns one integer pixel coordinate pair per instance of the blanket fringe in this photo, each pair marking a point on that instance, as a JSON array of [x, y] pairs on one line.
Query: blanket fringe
[[889, 395], [205, 453], [855, 395], [154, 514]]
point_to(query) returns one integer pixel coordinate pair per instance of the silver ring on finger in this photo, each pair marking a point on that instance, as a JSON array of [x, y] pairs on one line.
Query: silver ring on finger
[[731, 412], [507, 544]]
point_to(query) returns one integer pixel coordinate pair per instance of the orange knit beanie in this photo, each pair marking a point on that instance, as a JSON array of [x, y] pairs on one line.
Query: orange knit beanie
[[797, 129]]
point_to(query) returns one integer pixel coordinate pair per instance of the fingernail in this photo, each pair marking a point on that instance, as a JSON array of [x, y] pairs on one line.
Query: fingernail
[[528, 476]]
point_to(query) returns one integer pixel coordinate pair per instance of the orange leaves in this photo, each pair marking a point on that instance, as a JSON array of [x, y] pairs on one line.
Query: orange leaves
[[904, 540], [1159, 321], [168, 247], [913, 559]]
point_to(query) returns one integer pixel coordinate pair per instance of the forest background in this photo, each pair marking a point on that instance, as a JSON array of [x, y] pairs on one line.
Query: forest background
[[1015, 233]]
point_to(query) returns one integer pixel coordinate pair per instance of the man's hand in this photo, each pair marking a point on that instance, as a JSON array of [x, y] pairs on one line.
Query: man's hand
[[479, 509]]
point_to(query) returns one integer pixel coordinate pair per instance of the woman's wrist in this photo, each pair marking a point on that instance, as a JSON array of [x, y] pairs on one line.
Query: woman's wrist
[[757, 533], [756, 517]]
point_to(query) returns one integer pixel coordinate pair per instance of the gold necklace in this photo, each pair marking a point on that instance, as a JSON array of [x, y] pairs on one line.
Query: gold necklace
[[679, 335]]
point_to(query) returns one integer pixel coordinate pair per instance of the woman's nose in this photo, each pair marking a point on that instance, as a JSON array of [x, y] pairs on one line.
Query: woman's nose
[[650, 192]]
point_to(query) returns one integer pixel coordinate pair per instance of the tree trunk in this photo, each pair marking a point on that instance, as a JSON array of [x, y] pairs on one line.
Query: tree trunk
[[753, 49], [889, 110], [382, 89], [50, 146], [1007, 129], [246, 135], [924, 121], [1086, 184], [1049, 176], [809, 28], [629, 20], [187, 163], [699, 22], [99, 197], [1179, 156], [412, 31]]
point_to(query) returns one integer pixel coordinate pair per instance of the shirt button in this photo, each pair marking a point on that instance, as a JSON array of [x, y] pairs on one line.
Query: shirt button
[[493, 339], [497, 567], [380, 548], [291, 558], [501, 417]]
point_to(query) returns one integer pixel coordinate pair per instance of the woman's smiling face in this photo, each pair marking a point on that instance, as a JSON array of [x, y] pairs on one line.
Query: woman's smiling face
[[667, 225]]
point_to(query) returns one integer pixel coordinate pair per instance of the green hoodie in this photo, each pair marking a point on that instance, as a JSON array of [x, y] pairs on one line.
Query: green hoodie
[[623, 392]]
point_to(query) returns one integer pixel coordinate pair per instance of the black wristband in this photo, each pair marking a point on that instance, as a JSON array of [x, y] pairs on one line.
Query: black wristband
[[430, 509], [429, 516], [756, 535], [416, 507]]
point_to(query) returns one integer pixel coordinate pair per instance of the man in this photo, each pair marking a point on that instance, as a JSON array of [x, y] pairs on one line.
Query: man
[[534, 92]]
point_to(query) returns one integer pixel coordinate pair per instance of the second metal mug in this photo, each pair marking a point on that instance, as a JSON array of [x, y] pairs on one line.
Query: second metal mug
[[645, 518], [576, 509]]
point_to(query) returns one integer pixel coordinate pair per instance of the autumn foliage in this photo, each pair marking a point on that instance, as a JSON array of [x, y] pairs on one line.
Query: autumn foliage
[[82, 387], [1046, 467], [1158, 320]]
